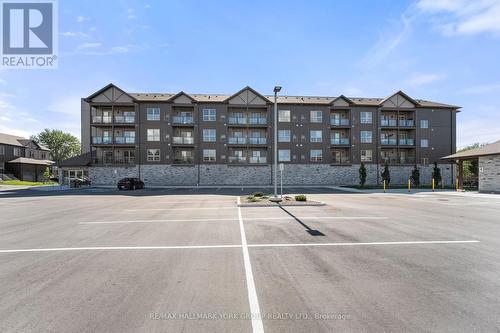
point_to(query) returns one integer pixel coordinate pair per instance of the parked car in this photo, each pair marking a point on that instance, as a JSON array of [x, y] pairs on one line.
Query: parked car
[[84, 181], [130, 184]]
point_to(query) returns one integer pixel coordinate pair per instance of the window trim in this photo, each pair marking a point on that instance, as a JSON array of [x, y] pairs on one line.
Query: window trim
[[316, 158], [426, 122], [209, 137], [280, 120], [209, 158], [289, 155], [153, 136], [155, 118], [318, 139], [207, 116], [362, 120], [314, 120], [154, 157], [363, 140], [427, 143], [366, 155], [289, 135]]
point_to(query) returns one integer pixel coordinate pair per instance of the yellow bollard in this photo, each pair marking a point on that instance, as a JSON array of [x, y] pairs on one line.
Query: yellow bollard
[[433, 184], [384, 185], [409, 185], [442, 184], [456, 184]]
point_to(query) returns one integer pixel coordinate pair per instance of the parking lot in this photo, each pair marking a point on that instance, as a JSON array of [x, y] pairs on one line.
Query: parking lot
[[190, 260]]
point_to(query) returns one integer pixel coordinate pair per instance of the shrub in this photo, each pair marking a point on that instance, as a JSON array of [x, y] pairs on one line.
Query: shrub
[[386, 175], [362, 174], [46, 174], [436, 174], [252, 199], [258, 194], [300, 197], [415, 177]]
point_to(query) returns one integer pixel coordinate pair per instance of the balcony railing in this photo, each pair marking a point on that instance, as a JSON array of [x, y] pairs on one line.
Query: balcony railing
[[339, 122], [113, 160], [388, 142], [257, 120], [341, 160], [407, 123], [389, 160], [183, 160], [339, 141], [388, 122], [237, 159], [182, 120], [238, 120], [124, 139], [400, 160], [102, 140], [406, 142], [236, 140], [125, 119], [407, 160], [183, 140], [257, 160], [257, 141], [102, 119]]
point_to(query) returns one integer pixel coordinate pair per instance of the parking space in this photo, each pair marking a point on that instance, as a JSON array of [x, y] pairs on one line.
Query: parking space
[[190, 260]]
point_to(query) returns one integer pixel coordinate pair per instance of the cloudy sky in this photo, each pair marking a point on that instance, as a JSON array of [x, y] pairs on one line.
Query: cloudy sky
[[442, 50]]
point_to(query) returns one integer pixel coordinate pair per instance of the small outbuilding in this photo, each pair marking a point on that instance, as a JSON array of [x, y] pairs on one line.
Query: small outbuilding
[[488, 158]]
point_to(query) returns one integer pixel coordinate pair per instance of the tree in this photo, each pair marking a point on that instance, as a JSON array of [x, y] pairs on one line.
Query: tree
[[415, 176], [46, 174], [436, 174], [386, 175], [62, 145], [470, 167], [362, 174]]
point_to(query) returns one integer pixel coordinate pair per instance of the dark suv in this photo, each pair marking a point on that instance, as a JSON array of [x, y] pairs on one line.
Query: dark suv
[[130, 184]]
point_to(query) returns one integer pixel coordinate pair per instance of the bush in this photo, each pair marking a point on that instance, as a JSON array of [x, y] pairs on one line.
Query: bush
[[386, 175], [258, 194], [300, 197], [415, 177], [362, 174], [252, 199], [436, 174]]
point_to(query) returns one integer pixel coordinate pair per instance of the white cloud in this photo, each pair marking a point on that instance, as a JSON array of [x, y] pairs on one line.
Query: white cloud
[[81, 19], [88, 46], [2, 81], [69, 105], [462, 17], [147, 6], [423, 79], [130, 13], [482, 89]]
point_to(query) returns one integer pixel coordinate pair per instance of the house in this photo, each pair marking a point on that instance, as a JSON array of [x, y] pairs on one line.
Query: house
[[22, 158]]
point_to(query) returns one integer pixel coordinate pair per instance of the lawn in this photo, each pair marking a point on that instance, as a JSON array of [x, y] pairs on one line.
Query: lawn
[[25, 183]]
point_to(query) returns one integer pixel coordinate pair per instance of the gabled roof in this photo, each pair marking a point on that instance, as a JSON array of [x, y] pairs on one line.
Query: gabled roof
[[181, 93], [247, 88], [76, 161], [348, 100], [26, 160], [111, 85], [13, 140], [491, 149], [399, 92]]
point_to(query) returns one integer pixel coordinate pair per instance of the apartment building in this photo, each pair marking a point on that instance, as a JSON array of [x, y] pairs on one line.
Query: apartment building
[[198, 139]]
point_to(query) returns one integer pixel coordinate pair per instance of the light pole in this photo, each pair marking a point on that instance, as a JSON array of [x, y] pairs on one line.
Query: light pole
[[277, 89]]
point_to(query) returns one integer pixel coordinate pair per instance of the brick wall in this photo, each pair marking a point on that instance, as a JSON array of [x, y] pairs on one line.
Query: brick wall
[[489, 174]]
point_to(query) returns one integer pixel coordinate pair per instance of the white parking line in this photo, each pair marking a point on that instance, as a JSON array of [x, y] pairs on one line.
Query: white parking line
[[269, 245], [175, 208], [252, 293]]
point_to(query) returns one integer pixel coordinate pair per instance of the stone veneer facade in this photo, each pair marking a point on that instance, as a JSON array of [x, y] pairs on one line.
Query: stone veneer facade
[[489, 174], [293, 174]]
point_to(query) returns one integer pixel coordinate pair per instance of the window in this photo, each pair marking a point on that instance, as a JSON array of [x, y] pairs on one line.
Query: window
[[316, 116], [366, 117], [209, 135], [425, 161], [209, 114], [316, 155], [153, 113], [366, 136], [209, 155], [284, 136], [424, 143], [366, 155], [17, 151], [284, 116], [424, 123], [154, 134], [153, 155], [284, 155], [2, 150], [316, 136]]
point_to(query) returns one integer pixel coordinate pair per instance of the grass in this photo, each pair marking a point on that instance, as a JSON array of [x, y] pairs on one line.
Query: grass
[[25, 183], [300, 197]]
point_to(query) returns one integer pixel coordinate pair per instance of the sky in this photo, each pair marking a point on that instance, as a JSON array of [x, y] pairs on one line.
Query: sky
[[441, 50]]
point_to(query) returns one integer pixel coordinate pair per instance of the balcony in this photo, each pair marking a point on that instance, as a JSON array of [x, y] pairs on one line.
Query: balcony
[[389, 160], [236, 140], [339, 141], [124, 140], [183, 160], [388, 122], [406, 142], [388, 142], [124, 119], [406, 160], [115, 160], [237, 159], [341, 160], [257, 141], [257, 160], [339, 122], [238, 120], [179, 140], [256, 120], [182, 120], [102, 119], [102, 140], [407, 123]]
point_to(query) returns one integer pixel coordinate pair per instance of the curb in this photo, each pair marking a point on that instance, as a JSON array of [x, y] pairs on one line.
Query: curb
[[312, 203]]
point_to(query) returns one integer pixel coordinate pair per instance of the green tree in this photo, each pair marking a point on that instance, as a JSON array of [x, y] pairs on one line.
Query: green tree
[[386, 174], [62, 145], [470, 167], [436, 174], [415, 176], [362, 174], [46, 174]]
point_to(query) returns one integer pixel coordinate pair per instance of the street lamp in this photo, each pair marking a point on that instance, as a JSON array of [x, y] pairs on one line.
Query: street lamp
[[277, 89]]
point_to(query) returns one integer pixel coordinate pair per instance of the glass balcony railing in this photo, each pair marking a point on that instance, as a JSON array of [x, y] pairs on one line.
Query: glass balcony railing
[[182, 120], [257, 120], [102, 140], [406, 142], [407, 123], [339, 141], [237, 159], [238, 120], [257, 141], [236, 140], [124, 139], [388, 122], [341, 160], [102, 119], [183, 160], [257, 160], [113, 160], [389, 142], [183, 140], [124, 119], [339, 122]]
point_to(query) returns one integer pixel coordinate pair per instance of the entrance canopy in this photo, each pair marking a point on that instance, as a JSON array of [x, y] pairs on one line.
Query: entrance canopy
[[491, 149]]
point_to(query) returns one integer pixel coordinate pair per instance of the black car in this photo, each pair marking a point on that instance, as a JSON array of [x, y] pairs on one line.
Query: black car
[[130, 184]]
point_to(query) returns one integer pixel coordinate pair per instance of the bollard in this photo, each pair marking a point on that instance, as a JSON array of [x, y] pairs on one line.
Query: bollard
[[433, 184], [456, 184], [384, 185], [442, 184], [409, 185]]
